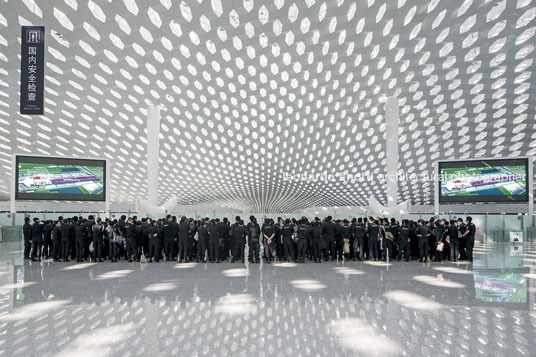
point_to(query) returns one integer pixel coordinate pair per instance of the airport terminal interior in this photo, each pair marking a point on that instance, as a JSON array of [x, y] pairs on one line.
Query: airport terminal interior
[[267, 178]]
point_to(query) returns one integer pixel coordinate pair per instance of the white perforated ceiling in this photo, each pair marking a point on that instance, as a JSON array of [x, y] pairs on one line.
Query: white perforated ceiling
[[256, 89]]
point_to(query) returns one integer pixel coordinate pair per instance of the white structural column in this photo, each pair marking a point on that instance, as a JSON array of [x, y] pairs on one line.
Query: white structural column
[[393, 121], [153, 151]]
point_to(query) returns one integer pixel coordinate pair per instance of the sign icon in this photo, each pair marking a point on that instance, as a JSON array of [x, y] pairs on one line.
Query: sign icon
[[33, 36]]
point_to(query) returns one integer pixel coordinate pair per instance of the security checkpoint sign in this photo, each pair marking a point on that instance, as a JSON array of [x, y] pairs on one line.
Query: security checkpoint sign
[[32, 74]]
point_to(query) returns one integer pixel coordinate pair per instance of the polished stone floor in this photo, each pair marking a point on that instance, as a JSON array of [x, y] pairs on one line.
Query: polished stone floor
[[329, 309]]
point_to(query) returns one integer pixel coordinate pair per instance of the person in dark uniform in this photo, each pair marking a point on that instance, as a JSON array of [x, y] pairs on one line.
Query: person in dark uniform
[[152, 232], [65, 232], [169, 239], [317, 241], [328, 230], [37, 239], [240, 233], [422, 233], [224, 234], [413, 241], [373, 229], [202, 242], [254, 234], [452, 233], [80, 236], [395, 229], [184, 240], [359, 239], [402, 241], [131, 239], [72, 240], [346, 235], [56, 241], [288, 245], [213, 240], [48, 250], [27, 232], [268, 234], [97, 231], [462, 228], [470, 238], [302, 240]]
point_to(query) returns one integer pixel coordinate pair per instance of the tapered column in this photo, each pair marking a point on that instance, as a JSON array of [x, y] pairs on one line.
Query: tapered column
[[393, 121], [153, 151]]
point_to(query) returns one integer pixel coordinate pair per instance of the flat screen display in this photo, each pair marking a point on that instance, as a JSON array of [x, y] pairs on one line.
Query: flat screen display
[[49, 178], [497, 180]]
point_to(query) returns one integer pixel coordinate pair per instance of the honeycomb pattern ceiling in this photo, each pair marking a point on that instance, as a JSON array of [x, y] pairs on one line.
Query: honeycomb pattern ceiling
[[254, 90]]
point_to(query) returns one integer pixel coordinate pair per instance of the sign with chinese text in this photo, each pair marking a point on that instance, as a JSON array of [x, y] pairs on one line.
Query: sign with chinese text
[[32, 76]]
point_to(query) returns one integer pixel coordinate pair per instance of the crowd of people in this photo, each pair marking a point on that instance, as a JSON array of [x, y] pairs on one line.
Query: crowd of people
[[214, 241]]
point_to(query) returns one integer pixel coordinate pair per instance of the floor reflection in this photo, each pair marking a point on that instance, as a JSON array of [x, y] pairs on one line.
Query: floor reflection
[[340, 308]]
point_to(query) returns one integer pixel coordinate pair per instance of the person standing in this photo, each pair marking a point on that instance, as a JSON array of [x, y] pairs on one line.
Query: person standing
[[202, 242], [403, 241], [240, 233], [268, 233], [328, 230], [97, 231], [373, 229], [359, 239], [254, 234], [213, 227], [288, 245], [462, 228], [152, 232], [37, 239], [80, 236], [470, 238], [56, 241], [27, 232], [454, 241], [65, 232], [131, 239], [302, 240], [422, 233], [184, 240]]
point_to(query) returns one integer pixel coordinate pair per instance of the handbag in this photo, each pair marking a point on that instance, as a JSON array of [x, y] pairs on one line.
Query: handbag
[[346, 248]]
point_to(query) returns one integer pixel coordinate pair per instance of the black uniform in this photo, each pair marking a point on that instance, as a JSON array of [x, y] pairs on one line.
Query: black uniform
[[65, 231], [202, 243], [80, 235], [37, 240], [239, 233], [97, 241], [153, 234], [56, 242], [254, 234], [214, 243], [470, 240], [131, 240], [184, 241], [224, 236], [302, 241], [328, 230], [27, 231], [288, 244], [269, 245], [169, 240], [403, 242], [422, 233], [359, 240], [346, 234], [452, 232], [373, 230]]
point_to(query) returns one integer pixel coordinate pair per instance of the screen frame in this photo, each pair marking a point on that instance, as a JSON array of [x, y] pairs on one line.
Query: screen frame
[[482, 163], [51, 160]]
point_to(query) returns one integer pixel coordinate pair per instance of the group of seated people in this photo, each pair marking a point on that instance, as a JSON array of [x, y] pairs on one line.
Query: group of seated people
[[212, 240]]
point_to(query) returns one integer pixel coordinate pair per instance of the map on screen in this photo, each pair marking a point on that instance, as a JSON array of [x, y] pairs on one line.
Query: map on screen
[[484, 181], [60, 179]]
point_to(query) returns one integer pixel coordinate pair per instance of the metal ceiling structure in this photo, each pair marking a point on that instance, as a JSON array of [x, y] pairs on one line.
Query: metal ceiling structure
[[255, 91]]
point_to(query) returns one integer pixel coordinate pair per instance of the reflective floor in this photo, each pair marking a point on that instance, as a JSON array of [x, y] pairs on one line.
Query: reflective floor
[[335, 309]]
